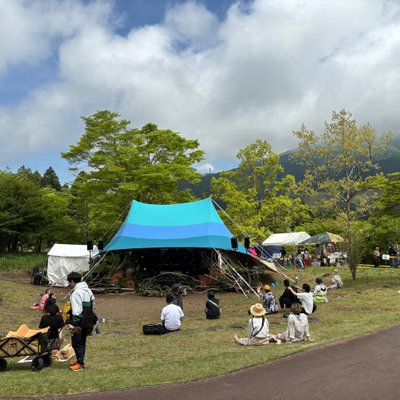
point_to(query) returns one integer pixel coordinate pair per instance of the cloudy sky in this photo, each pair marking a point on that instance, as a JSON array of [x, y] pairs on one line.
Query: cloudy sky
[[226, 72]]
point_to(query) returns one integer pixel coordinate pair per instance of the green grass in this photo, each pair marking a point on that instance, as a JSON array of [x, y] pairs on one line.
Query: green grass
[[204, 348], [22, 261]]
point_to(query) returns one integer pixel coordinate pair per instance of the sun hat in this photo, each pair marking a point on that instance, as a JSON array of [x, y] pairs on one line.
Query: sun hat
[[335, 271], [267, 287], [257, 310]]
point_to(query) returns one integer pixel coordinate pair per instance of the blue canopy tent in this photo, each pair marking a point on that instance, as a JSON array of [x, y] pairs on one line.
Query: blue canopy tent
[[187, 225]]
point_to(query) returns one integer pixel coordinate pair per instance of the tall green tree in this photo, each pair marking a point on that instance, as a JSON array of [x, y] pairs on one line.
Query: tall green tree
[[255, 198], [338, 162], [123, 163], [50, 179]]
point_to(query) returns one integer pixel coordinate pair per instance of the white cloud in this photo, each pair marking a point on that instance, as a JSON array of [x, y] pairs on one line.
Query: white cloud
[[260, 73]]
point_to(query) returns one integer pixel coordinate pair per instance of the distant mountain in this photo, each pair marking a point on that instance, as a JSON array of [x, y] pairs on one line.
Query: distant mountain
[[389, 162]]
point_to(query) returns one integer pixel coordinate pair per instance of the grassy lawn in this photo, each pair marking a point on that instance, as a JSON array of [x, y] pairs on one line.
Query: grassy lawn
[[122, 357]]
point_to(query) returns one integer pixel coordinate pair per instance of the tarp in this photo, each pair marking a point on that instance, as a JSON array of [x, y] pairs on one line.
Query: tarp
[[186, 225], [65, 258], [289, 238], [323, 237]]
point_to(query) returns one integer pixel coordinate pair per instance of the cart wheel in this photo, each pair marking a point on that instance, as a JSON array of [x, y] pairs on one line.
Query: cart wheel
[[47, 360], [3, 364], [37, 364]]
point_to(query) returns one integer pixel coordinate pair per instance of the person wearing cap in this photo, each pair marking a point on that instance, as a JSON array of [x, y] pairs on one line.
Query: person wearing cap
[[269, 302], [336, 280], [257, 329]]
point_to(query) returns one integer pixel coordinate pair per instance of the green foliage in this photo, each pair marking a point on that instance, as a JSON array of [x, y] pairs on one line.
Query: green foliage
[[255, 198], [337, 164], [121, 164], [50, 179]]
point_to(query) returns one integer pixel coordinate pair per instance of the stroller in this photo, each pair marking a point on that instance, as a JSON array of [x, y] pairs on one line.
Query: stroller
[[28, 343]]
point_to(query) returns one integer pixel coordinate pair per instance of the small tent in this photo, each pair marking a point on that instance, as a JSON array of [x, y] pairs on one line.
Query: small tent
[[65, 258], [289, 238], [324, 238]]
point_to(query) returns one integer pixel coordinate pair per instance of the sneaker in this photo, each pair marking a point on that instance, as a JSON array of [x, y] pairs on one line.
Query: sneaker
[[72, 363], [76, 367]]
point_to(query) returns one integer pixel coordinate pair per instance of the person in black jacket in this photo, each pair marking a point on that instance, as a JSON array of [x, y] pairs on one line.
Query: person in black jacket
[[287, 298], [212, 309], [53, 320]]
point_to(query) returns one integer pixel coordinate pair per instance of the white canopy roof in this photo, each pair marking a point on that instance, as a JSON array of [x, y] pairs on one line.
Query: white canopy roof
[[289, 238], [65, 258]]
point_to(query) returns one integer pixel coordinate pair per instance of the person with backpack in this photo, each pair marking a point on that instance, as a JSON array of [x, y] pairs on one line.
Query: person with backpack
[[212, 310], [257, 329], [269, 302], [82, 318]]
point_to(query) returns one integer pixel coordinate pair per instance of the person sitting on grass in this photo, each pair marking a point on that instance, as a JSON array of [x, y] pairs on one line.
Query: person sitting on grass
[[297, 328], [171, 315], [320, 291], [257, 329], [306, 298], [269, 302], [212, 309], [40, 306], [287, 298], [337, 282]]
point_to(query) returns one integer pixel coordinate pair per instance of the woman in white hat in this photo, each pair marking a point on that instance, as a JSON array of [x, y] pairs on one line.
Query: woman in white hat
[[258, 328]]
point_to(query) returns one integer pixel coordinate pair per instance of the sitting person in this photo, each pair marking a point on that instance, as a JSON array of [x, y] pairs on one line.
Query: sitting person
[[54, 321], [171, 315], [306, 298], [297, 329], [320, 291], [269, 302], [42, 303], [257, 329], [287, 298], [336, 280], [212, 309]]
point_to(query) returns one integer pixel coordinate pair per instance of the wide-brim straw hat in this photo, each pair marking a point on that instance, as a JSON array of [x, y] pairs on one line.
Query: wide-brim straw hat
[[257, 310]]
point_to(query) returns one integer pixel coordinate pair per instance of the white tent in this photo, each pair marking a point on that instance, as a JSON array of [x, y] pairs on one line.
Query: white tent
[[282, 239], [65, 258]]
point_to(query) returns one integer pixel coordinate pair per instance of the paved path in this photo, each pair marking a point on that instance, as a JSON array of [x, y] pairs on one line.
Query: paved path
[[365, 368]]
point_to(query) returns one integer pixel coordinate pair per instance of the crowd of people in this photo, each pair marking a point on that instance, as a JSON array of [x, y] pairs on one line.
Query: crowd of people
[[81, 318], [301, 302]]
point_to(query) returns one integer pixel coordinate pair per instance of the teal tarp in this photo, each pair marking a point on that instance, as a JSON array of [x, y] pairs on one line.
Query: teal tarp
[[191, 225]]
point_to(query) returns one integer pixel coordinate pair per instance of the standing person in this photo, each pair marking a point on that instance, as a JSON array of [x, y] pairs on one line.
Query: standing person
[[257, 329], [212, 310], [82, 318], [377, 257], [393, 256], [306, 298], [177, 292], [398, 253], [171, 315], [269, 302]]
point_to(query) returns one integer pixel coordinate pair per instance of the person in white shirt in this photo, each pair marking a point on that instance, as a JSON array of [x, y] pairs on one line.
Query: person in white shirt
[[306, 298], [320, 291], [171, 315], [257, 329], [298, 327], [336, 280]]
